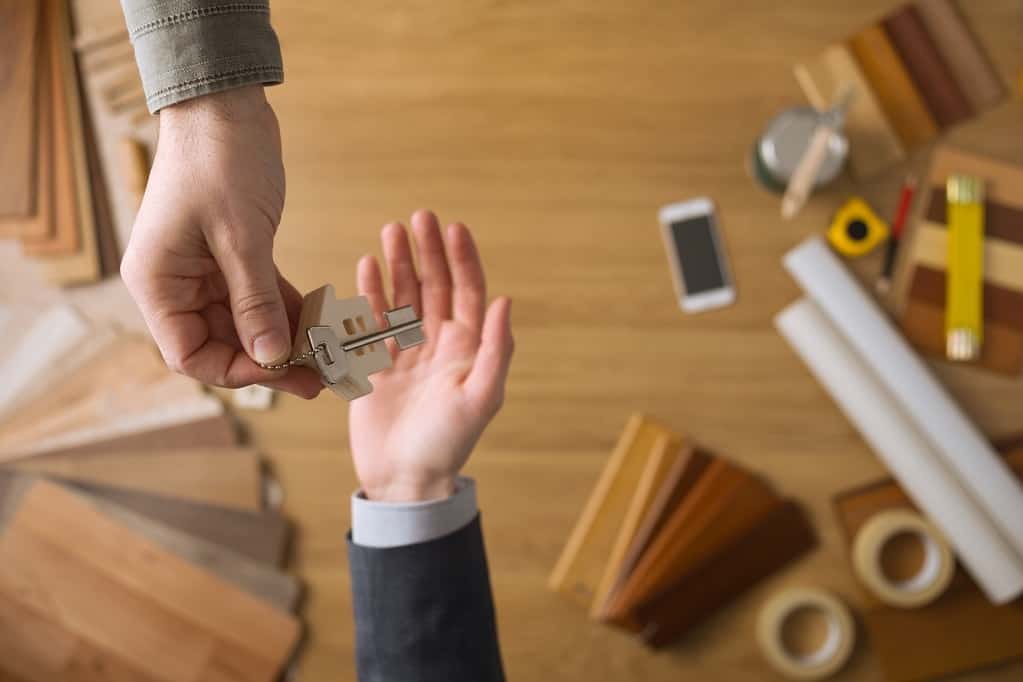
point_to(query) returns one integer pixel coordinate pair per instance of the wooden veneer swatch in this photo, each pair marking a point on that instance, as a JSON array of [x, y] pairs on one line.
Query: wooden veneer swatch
[[874, 145], [62, 237], [1001, 221], [892, 86], [1003, 260], [658, 465], [230, 478], [960, 631], [262, 536], [687, 470], [926, 66], [963, 54], [924, 325], [722, 505], [1001, 305], [218, 431], [79, 571], [581, 565], [82, 266], [779, 537], [19, 21]]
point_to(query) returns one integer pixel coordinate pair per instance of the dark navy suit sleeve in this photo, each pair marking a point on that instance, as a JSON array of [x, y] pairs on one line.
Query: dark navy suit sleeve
[[425, 612]]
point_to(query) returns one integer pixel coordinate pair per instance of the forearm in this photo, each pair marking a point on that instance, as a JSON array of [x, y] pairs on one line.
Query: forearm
[[188, 48]]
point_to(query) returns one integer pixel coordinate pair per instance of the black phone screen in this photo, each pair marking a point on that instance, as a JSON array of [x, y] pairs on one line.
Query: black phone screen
[[697, 254]]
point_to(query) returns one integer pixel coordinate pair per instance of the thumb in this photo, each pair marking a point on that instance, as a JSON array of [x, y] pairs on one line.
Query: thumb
[[257, 306]]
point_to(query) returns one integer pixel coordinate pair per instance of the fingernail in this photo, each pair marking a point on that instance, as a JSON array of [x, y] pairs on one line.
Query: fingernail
[[271, 347]]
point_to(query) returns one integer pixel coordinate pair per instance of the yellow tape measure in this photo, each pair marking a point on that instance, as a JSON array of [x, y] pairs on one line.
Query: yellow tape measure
[[856, 230], [964, 301]]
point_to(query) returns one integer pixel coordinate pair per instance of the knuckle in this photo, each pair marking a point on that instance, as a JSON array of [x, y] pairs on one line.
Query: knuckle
[[257, 304]]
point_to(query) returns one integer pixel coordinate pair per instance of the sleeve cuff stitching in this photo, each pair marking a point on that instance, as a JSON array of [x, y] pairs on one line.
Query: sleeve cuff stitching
[[233, 8], [268, 70]]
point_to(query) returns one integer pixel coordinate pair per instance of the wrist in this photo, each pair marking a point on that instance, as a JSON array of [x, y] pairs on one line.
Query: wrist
[[411, 490], [237, 105]]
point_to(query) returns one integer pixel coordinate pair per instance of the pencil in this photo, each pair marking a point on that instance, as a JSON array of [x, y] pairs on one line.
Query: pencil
[[884, 283]]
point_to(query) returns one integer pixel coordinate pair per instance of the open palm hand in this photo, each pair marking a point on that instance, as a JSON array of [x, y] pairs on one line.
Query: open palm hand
[[413, 434]]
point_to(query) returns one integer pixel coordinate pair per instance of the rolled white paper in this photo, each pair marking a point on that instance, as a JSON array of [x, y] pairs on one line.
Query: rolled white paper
[[882, 422], [964, 449]]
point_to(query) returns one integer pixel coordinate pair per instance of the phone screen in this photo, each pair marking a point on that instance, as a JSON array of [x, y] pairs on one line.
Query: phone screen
[[697, 254]]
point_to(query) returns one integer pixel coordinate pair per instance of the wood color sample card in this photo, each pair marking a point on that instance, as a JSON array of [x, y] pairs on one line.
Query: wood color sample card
[[920, 278], [18, 29], [230, 478], [581, 566], [893, 87], [958, 632], [105, 594]]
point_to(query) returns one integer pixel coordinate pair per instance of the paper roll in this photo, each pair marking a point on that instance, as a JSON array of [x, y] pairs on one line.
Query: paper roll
[[904, 449], [963, 448]]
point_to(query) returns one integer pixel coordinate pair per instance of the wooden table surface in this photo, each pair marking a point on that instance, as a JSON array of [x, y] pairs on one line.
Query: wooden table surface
[[556, 129]]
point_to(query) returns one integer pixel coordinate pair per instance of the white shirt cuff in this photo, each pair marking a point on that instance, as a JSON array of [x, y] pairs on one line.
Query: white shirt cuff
[[396, 524]]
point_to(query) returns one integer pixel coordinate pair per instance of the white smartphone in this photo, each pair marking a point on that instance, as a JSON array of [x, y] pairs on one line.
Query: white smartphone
[[696, 255]]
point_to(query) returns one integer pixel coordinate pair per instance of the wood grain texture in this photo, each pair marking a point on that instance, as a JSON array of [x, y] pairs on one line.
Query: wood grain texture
[[779, 537], [230, 478], [83, 266], [582, 564], [19, 20], [893, 86], [62, 236], [126, 595], [218, 431], [874, 145], [958, 632], [687, 469], [962, 52], [1003, 260], [723, 504], [658, 465], [259, 535], [932, 76], [555, 130]]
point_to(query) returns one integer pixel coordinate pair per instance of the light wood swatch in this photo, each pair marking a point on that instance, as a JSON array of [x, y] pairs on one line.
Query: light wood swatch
[[215, 431], [581, 565], [874, 145], [892, 86], [225, 477], [19, 21], [658, 465], [63, 559], [83, 266], [1003, 261]]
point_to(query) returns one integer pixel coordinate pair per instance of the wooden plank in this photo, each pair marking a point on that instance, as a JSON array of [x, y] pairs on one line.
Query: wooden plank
[[874, 145], [725, 503], [217, 431], [960, 631], [580, 567], [1001, 221], [19, 21], [1003, 260], [934, 80], [962, 52], [230, 478], [83, 266], [128, 595], [892, 86], [658, 465]]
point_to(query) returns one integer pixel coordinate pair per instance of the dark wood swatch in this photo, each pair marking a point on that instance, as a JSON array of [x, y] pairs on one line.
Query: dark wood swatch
[[1001, 305], [932, 76], [1000, 221], [781, 536]]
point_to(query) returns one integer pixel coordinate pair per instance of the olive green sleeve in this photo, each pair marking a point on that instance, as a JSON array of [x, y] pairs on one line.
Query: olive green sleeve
[[188, 48]]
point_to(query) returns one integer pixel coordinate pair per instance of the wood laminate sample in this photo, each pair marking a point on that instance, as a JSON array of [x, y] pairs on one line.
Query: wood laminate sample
[[19, 20]]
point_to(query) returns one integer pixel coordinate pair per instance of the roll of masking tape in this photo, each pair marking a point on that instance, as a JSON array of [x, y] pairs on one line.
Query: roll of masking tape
[[828, 656], [934, 574]]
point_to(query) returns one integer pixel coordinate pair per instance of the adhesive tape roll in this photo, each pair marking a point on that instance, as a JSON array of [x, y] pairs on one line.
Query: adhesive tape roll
[[930, 581], [829, 656]]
